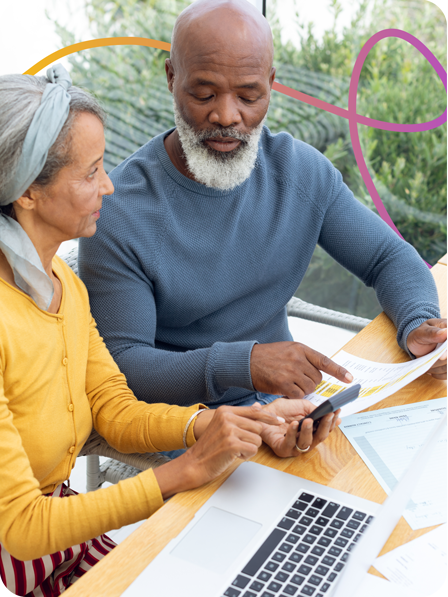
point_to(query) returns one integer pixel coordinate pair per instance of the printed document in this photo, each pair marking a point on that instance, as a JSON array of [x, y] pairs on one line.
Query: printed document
[[373, 586], [378, 380], [419, 565], [387, 441]]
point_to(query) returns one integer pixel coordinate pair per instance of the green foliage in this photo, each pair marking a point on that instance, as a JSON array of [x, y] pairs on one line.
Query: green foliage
[[128, 80], [397, 84], [409, 167]]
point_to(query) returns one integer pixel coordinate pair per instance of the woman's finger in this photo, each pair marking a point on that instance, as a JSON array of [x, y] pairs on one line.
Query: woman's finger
[[335, 418], [305, 438], [247, 437], [290, 438], [307, 407], [257, 413], [324, 428], [247, 450]]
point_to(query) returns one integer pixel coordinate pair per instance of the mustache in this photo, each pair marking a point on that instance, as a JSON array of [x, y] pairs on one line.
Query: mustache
[[222, 133]]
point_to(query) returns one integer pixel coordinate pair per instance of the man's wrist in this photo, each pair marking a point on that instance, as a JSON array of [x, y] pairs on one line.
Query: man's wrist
[[230, 365], [410, 327]]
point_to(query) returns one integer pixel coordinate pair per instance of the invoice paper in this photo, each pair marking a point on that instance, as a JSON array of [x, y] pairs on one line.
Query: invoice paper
[[373, 586], [419, 565], [378, 380], [387, 441]]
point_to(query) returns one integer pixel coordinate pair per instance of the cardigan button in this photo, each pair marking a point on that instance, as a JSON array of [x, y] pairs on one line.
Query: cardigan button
[[72, 449], [71, 407], [64, 360]]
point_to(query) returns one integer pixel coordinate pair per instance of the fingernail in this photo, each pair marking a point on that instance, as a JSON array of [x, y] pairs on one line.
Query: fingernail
[[443, 357], [349, 377], [281, 419]]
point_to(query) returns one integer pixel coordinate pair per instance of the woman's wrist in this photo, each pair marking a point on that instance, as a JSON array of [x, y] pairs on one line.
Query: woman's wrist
[[181, 473], [175, 476], [202, 421]]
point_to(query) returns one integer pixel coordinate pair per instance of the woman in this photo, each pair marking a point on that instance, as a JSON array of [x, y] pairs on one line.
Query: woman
[[57, 377]]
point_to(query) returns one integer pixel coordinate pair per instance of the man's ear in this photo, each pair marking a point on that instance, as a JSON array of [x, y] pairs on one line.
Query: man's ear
[[272, 77], [169, 74]]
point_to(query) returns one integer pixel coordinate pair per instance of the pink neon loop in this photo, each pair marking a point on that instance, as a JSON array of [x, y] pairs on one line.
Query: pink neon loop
[[355, 118]]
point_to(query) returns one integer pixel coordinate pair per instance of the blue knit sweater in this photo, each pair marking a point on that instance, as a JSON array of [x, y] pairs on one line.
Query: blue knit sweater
[[184, 279]]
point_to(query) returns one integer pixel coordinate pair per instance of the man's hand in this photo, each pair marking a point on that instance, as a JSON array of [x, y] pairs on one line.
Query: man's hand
[[283, 438], [291, 369], [424, 339]]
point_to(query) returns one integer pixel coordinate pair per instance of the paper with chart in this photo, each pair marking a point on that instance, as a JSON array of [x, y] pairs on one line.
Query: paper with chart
[[378, 380], [388, 439], [419, 565]]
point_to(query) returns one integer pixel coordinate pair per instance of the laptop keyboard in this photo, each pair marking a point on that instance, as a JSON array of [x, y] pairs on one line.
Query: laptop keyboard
[[305, 552]]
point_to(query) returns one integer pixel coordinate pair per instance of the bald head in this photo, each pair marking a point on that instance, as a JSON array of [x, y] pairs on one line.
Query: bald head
[[213, 28], [221, 75]]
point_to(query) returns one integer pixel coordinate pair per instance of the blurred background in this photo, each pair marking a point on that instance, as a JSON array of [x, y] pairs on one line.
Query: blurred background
[[316, 45]]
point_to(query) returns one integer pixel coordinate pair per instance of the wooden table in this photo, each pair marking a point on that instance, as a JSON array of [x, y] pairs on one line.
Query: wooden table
[[334, 463]]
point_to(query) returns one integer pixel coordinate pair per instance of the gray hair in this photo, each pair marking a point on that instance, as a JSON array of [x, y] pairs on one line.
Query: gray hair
[[20, 97]]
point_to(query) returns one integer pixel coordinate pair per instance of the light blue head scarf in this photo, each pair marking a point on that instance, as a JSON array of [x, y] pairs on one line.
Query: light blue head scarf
[[29, 274]]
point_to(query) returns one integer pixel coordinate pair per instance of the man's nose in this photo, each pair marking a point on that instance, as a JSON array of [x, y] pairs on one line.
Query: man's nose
[[225, 111]]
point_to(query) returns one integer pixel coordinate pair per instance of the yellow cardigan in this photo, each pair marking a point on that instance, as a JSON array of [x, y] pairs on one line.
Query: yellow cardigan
[[57, 380]]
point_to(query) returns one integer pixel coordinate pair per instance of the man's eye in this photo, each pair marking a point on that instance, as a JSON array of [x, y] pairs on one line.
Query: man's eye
[[204, 99], [92, 174], [248, 101]]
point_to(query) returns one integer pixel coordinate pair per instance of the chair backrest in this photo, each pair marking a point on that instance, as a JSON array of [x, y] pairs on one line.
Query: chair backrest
[[71, 259]]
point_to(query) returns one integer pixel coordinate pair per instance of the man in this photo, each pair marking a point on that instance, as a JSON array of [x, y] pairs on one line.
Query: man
[[212, 226]]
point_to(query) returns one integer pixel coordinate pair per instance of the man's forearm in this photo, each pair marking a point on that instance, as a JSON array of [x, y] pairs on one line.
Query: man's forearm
[[184, 378], [364, 244]]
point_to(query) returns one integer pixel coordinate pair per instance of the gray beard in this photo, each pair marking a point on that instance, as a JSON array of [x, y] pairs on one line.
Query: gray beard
[[218, 169]]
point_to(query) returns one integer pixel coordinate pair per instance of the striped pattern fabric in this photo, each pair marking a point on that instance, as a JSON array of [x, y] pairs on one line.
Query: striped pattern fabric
[[50, 575]]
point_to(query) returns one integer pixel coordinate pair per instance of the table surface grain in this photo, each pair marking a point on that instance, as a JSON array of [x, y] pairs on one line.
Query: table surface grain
[[334, 463]]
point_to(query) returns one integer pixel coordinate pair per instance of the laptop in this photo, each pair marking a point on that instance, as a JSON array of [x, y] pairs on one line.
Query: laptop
[[267, 533]]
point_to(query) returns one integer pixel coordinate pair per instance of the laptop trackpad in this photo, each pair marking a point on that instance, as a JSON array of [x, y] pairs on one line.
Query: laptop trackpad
[[199, 545]]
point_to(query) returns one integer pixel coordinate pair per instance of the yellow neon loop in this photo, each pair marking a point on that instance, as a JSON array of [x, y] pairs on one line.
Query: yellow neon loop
[[97, 43]]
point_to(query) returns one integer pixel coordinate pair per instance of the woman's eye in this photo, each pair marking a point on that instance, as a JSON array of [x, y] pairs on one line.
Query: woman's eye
[[92, 174]]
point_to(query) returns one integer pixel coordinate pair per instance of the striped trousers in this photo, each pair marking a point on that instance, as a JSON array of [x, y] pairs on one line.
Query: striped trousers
[[50, 575]]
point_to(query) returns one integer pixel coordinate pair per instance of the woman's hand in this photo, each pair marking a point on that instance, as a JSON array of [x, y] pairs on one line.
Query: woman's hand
[[224, 435], [283, 438]]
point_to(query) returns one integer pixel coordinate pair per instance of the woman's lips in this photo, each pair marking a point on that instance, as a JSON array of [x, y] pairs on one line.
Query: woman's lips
[[96, 214], [223, 144]]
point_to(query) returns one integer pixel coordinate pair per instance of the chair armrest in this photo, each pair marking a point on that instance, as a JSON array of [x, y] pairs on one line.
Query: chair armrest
[[298, 308], [97, 445]]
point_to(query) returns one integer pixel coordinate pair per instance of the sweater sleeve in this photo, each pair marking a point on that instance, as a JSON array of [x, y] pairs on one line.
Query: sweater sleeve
[[32, 524], [130, 425], [363, 243], [114, 277]]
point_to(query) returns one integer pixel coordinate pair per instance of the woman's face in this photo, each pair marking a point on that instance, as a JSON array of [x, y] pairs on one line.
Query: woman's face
[[70, 207]]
